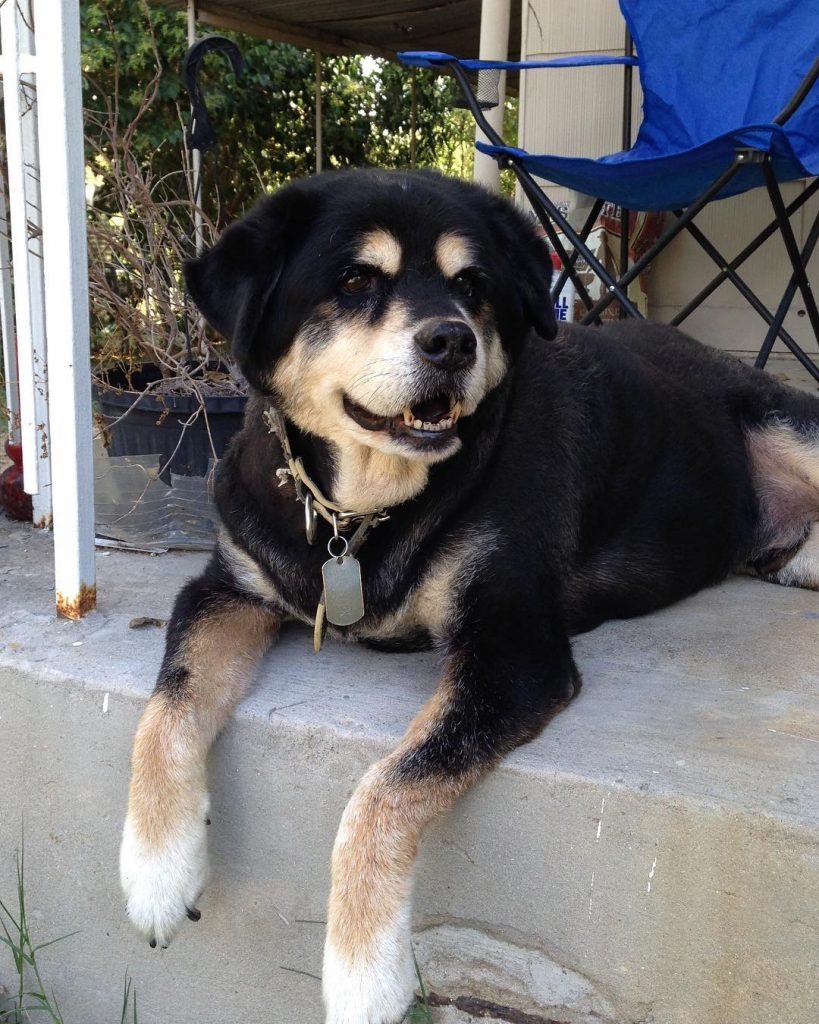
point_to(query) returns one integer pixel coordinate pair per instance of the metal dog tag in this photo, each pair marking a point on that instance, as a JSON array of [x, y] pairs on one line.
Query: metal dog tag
[[343, 594]]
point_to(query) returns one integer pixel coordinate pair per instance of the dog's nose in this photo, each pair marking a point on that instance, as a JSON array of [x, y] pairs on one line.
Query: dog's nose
[[449, 344]]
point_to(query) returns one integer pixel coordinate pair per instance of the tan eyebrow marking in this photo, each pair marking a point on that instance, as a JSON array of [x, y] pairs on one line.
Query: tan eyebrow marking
[[381, 249], [453, 253]]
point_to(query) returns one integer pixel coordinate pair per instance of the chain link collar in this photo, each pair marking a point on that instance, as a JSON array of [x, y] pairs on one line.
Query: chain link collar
[[308, 492]]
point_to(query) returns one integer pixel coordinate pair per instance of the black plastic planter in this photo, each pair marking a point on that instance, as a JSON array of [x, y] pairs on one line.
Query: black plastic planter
[[154, 425]]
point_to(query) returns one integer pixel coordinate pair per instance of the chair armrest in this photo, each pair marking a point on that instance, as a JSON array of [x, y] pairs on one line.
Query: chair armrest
[[459, 68], [431, 59]]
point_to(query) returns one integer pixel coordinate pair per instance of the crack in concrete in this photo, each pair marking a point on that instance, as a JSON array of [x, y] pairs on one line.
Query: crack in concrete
[[484, 1008]]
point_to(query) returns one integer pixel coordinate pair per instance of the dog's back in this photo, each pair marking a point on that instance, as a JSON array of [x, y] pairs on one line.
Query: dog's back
[[690, 465]]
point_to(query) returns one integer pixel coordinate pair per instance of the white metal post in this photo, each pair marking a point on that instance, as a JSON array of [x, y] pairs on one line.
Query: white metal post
[[196, 154], [26, 242], [7, 321], [66, 279], [494, 45]]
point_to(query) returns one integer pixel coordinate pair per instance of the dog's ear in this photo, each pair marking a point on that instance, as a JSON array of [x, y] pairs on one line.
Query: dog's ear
[[233, 284], [530, 263]]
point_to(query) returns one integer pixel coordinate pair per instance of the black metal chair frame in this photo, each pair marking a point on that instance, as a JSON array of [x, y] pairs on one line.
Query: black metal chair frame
[[551, 218]]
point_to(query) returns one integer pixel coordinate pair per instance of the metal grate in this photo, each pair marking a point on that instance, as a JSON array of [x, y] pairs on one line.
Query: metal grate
[[485, 88]]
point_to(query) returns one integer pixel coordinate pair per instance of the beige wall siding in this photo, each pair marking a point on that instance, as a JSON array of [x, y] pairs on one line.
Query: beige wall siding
[[578, 112]]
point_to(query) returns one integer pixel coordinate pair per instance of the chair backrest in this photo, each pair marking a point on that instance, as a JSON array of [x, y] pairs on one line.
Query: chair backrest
[[708, 67]]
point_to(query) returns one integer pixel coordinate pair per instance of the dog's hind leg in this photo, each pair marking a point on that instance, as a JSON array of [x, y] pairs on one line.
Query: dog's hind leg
[[785, 468], [501, 685], [215, 641]]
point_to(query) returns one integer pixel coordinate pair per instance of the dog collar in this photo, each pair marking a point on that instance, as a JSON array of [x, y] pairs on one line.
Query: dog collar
[[342, 599], [308, 492]]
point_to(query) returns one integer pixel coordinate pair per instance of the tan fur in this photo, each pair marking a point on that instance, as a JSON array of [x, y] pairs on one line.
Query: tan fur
[[369, 479], [247, 573], [785, 468], [166, 780], [378, 841], [431, 604], [381, 249], [176, 731], [355, 359], [453, 253], [496, 364]]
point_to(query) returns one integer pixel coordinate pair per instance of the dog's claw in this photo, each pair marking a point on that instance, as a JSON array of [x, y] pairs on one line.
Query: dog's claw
[[152, 943], [207, 821], [193, 913]]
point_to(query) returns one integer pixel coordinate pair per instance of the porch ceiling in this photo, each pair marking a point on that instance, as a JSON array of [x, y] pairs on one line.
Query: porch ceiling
[[380, 27]]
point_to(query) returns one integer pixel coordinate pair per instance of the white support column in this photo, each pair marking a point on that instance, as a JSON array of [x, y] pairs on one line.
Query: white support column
[[66, 277], [26, 216], [7, 321], [494, 45], [196, 154]]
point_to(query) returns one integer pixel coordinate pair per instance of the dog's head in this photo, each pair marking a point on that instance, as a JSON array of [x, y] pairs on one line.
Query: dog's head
[[377, 307]]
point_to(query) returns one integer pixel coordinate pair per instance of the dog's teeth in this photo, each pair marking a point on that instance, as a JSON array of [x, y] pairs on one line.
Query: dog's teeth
[[418, 424], [455, 411], [408, 417], [429, 426], [446, 423]]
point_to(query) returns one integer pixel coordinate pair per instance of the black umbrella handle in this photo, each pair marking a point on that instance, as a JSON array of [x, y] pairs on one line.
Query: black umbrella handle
[[201, 134]]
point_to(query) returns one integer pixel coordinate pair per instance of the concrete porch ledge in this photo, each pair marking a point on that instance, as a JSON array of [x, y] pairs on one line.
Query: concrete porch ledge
[[653, 857]]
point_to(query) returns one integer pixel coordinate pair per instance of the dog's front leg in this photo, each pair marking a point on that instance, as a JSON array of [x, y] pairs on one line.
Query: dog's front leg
[[502, 682], [215, 641]]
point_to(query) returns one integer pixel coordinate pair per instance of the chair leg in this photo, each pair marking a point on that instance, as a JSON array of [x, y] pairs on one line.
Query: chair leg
[[546, 210], [549, 215], [665, 238], [729, 274], [741, 257], [573, 255], [788, 237], [624, 240], [784, 306]]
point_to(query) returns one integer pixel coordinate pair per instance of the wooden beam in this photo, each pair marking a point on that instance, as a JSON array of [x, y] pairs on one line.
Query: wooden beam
[[224, 16]]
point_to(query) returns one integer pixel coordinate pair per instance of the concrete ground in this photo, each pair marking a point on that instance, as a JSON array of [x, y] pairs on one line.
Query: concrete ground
[[652, 857]]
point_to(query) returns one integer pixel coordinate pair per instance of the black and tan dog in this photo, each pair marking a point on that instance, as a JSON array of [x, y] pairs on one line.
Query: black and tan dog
[[400, 328]]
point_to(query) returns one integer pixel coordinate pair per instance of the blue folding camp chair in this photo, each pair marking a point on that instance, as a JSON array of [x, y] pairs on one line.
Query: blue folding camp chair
[[731, 103]]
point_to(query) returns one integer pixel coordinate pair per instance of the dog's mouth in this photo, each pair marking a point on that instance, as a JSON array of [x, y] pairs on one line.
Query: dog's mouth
[[431, 421]]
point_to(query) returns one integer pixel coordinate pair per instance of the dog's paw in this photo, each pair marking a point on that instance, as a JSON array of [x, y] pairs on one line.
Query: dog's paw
[[162, 883], [377, 990]]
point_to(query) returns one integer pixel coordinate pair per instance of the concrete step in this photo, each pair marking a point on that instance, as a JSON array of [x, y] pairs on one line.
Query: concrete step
[[652, 857]]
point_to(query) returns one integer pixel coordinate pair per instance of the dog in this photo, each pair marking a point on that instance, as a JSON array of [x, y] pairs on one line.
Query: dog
[[470, 479]]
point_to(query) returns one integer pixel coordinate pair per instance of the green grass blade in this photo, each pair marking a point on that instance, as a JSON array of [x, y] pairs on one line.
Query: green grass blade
[[126, 998], [9, 914], [420, 1013], [60, 938]]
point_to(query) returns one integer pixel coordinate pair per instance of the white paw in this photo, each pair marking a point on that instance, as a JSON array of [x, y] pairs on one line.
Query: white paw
[[163, 885], [378, 989]]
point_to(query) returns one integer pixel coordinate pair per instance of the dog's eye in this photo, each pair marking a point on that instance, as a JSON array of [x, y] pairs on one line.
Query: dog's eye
[[356, 280], [466, 284]]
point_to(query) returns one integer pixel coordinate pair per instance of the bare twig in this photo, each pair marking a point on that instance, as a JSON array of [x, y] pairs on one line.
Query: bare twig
[[139, 235]]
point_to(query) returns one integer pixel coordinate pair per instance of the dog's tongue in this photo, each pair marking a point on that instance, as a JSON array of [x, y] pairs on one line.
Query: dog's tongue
[[433, 409]]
